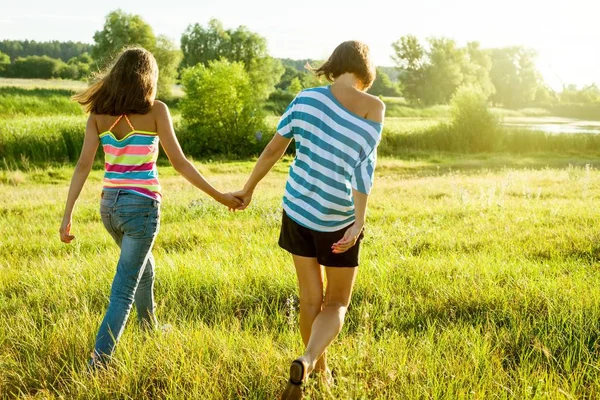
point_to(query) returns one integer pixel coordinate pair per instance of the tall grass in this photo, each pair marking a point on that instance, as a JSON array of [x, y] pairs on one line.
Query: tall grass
[[41, 139], [16, 101], [478, 283]]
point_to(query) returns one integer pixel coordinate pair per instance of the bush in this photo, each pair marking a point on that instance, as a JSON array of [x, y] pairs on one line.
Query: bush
[[278, 101], [220, 111], [40, 67], [473, 126]]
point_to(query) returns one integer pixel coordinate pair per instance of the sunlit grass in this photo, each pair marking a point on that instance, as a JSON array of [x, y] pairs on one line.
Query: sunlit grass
[[478, 280]]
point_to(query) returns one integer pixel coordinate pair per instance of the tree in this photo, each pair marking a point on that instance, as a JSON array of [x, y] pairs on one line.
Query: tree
[[383, 85], [295, 86], [121, 30], [444, 72], [587, 94], [514, 76], [290, 73], [221, 110], [476, 71], [200, 45], [54, 49], [168, 56], [432, 75], [410, 57], [4, 62]]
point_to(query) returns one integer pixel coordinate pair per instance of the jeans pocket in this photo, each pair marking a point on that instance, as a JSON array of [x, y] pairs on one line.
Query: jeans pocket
[[134, 224]]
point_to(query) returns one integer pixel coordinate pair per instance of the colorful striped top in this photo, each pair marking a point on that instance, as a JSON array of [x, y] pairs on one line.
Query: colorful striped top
[[130, 162], [336, 151]]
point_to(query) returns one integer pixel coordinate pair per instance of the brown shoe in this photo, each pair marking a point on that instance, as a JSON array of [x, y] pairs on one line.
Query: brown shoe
[[294, 390]]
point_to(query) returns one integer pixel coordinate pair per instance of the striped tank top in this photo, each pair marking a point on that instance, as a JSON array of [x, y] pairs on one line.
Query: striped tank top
[[130, 162], [336, 152]]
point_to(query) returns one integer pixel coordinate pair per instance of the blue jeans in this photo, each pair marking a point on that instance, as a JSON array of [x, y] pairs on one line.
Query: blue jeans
[[133, 221]]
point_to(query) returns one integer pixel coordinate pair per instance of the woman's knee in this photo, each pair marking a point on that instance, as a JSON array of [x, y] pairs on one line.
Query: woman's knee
[[311, 301]]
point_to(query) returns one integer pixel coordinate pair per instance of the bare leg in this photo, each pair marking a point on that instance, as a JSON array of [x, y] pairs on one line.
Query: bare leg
[[328, 323], [310, 282]]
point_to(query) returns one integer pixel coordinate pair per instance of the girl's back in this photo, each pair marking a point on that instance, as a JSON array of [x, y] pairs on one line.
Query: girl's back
[[141, 122], [130, 145], [335, 153]]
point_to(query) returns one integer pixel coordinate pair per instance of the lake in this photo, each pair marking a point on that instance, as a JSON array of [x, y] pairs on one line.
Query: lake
[[554, 124]]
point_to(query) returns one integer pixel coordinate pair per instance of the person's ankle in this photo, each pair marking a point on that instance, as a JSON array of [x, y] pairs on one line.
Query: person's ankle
[[308, 364]]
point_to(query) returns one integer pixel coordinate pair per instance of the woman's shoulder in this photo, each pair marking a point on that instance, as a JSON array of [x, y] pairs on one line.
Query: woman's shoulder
[[375, 107], [374, 102], [158, 107]]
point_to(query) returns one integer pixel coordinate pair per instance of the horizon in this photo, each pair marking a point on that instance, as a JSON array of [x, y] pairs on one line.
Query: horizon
[[562, 36]]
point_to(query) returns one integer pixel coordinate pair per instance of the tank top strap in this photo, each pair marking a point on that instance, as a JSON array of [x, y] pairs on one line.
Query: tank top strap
[[115, 123], [129, 122]]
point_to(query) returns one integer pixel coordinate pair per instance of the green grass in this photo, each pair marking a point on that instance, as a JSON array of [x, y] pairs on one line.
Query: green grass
[[41, 139], [15, 101], [478, 280]]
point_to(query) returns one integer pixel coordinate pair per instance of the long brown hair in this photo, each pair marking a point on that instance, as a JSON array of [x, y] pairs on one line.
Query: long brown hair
[[353, 57], [128, 86]]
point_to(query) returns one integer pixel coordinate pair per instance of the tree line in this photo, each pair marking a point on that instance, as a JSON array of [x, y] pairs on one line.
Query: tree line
[[426, 72]]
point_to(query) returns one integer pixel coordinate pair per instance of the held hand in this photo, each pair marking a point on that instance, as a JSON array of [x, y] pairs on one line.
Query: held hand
[[348, 241], [245, 196], [230, 201], [65, 232]]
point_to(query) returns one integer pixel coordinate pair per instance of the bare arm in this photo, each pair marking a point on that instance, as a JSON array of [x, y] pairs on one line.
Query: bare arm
[[82, 170], [351, 235], [170, 144], [270, 155]]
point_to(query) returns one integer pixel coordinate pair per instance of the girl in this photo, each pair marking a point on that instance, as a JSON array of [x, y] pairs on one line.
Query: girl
[[337, 129], [129, 122]]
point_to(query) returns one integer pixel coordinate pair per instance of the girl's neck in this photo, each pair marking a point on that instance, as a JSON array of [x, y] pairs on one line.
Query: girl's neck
[[347, 80]]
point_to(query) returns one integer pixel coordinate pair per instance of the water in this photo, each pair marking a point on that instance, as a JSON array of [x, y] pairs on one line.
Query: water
[[554, 125]]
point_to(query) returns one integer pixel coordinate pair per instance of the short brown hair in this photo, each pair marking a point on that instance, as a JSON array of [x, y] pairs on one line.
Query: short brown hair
[[127, 87], [353, 57]]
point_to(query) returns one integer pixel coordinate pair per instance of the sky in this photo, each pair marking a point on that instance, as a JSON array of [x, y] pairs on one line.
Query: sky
[[566, 34]]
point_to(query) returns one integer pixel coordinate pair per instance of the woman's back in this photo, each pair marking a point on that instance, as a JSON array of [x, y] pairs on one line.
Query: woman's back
[[130, 144], [142, 122], [335, 153]]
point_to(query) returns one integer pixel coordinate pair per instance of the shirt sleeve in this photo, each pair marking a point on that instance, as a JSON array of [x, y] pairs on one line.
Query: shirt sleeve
[[364, 173], [285, 126]]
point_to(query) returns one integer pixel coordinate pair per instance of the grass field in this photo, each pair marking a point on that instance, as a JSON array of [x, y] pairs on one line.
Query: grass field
[[479, 279], [479, 275]]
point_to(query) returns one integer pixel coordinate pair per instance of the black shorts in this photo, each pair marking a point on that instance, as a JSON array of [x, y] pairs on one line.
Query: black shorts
[[305, 242]]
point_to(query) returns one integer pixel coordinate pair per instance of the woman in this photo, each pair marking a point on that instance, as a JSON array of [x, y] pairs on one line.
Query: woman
[[129, 123], [337, 129]]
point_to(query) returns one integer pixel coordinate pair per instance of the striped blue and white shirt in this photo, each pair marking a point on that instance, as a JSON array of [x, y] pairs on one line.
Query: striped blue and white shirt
[[335, 153]]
